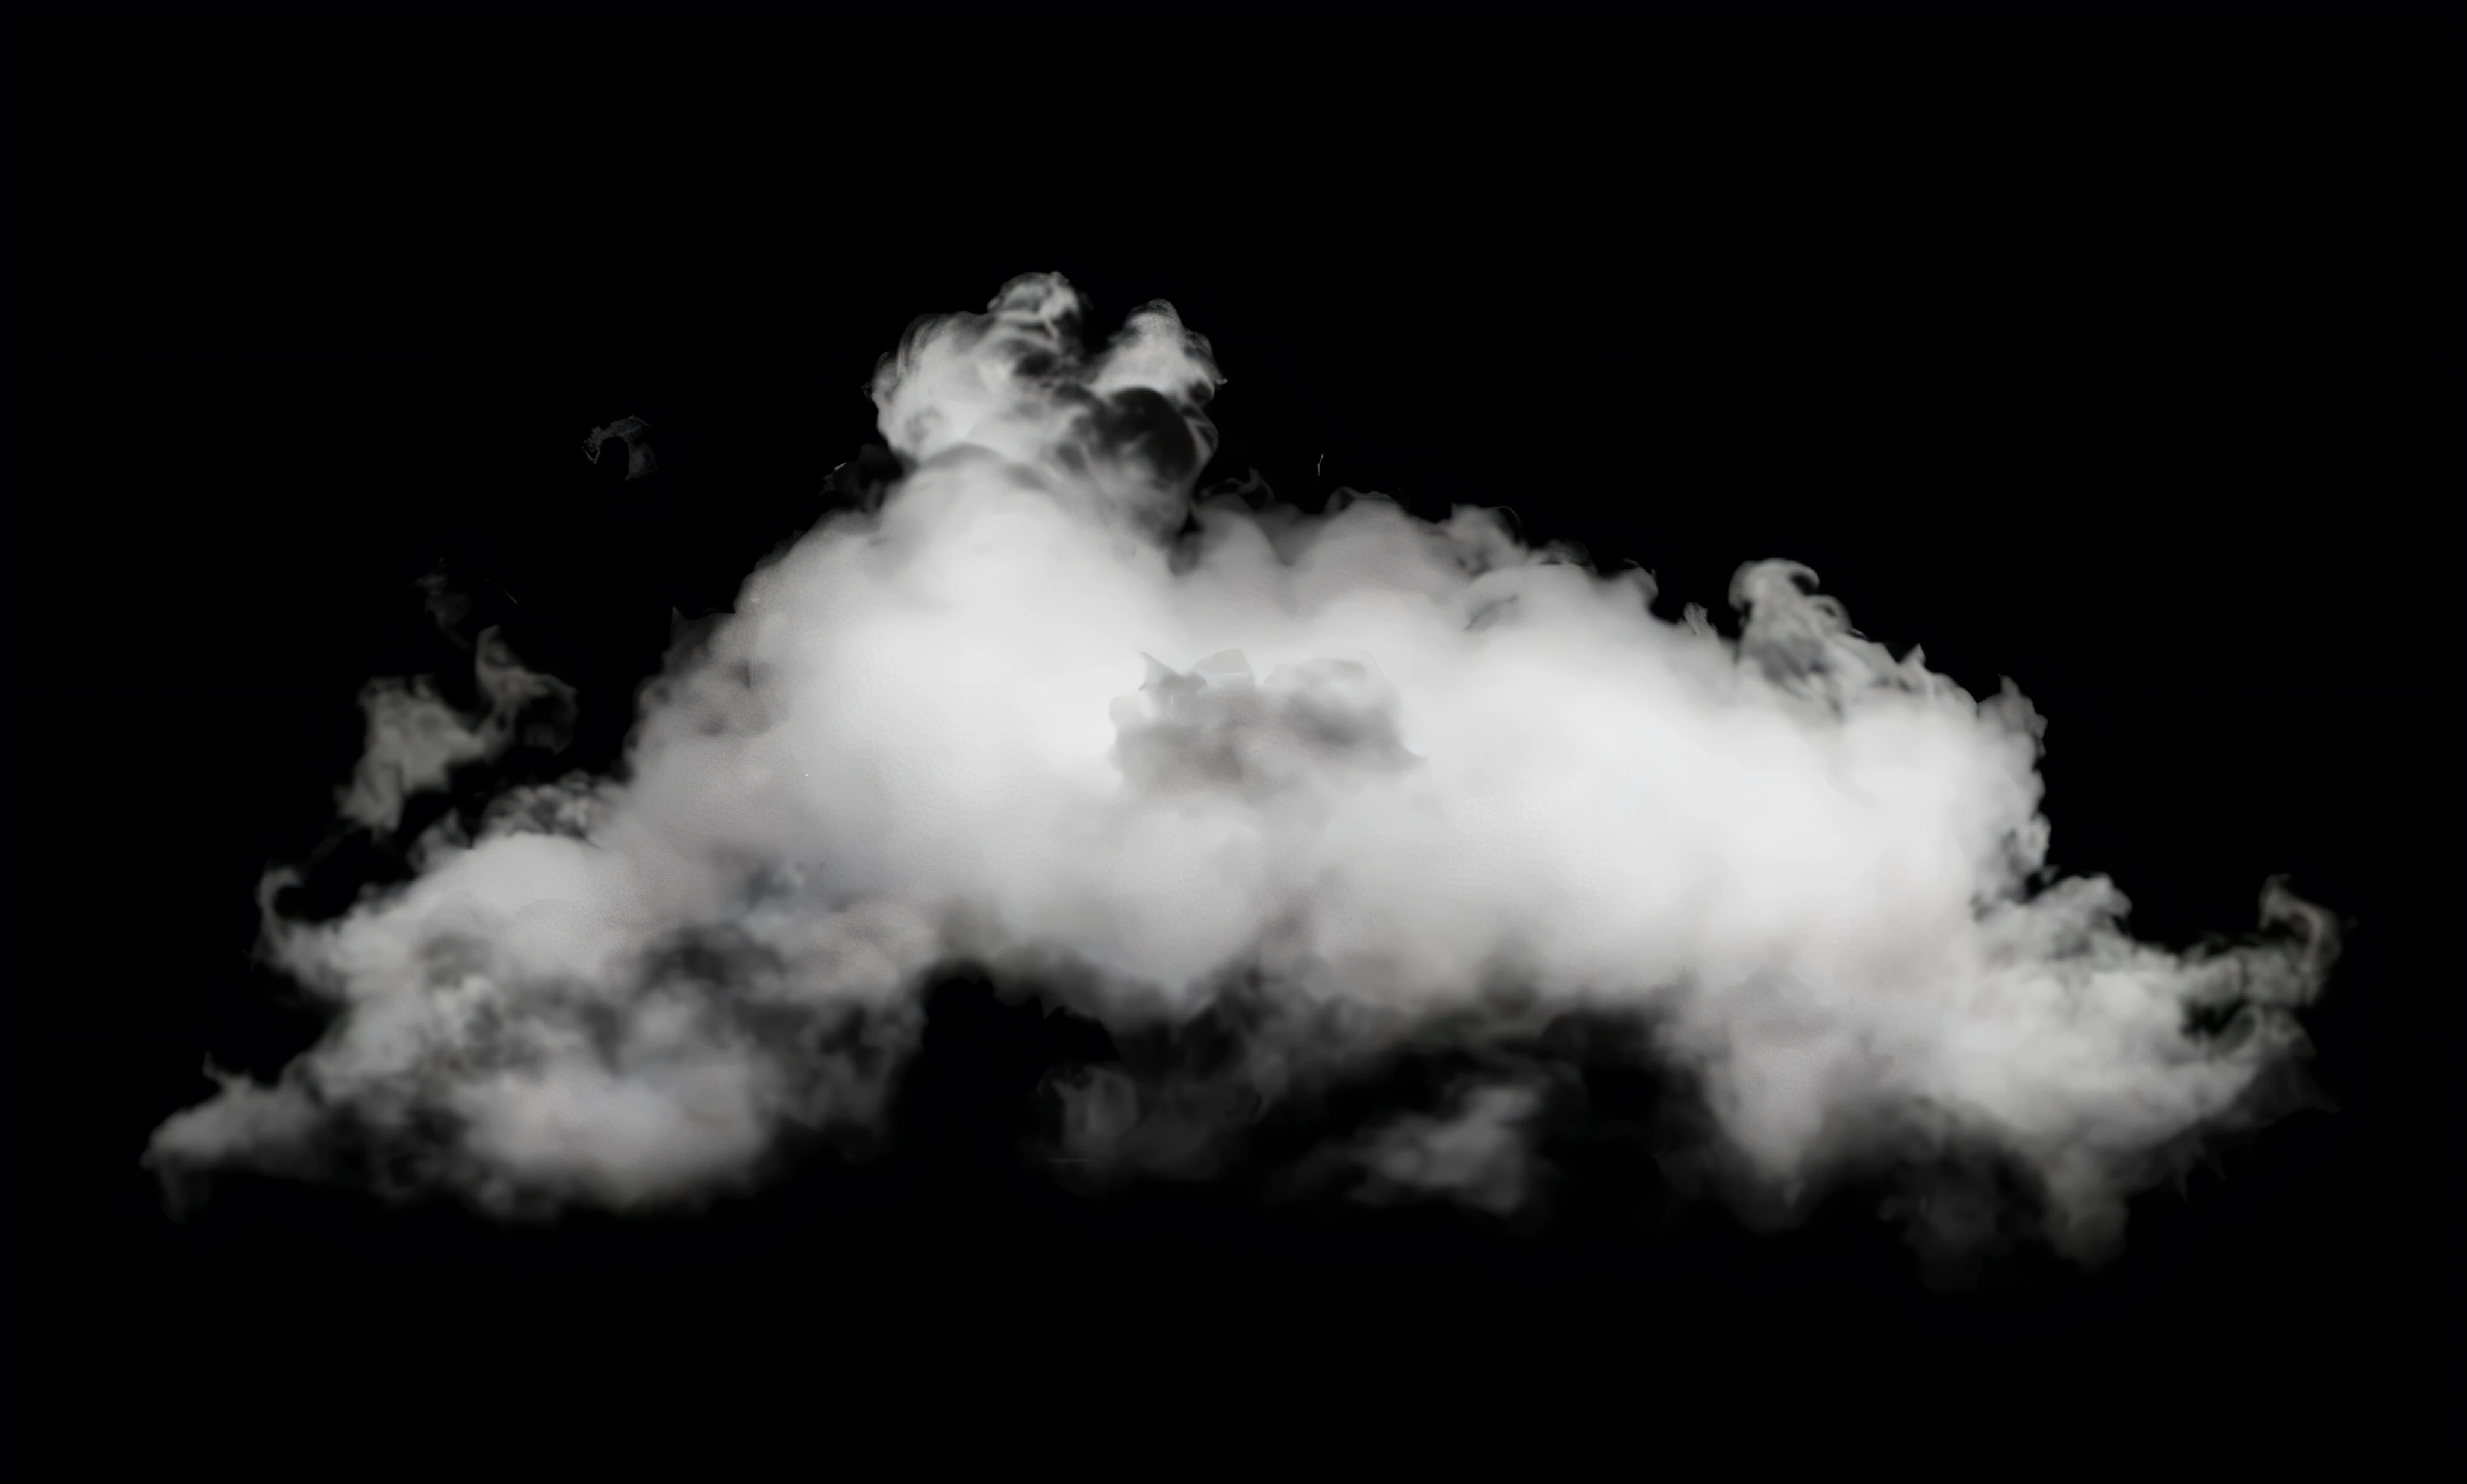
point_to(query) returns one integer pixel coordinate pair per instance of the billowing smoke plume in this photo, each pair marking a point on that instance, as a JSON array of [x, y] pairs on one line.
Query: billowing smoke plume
[[1335, 785]]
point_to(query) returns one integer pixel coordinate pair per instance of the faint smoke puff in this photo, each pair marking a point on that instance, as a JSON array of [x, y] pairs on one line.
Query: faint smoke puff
[[635, 435]]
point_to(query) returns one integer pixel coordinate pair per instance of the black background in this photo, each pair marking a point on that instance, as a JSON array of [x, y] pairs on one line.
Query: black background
[[2109, 352]]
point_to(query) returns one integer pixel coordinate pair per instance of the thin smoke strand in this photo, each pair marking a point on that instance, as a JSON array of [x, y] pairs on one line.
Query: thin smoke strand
[[1349, 782]]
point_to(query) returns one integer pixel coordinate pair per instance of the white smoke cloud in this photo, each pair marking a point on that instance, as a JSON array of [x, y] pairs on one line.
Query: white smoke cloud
[[1347, 783]]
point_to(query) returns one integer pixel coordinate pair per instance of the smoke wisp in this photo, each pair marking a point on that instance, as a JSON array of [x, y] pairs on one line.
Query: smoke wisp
[[1333, 785]]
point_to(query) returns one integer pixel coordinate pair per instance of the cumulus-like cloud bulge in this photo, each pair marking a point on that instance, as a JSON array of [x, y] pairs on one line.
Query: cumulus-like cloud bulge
[[1335, 785]]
